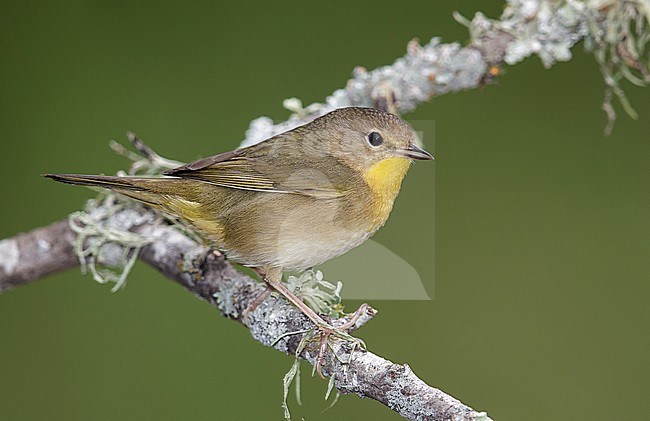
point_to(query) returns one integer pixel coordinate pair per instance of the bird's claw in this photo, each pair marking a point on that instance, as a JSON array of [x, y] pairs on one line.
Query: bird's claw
[[325, 331]]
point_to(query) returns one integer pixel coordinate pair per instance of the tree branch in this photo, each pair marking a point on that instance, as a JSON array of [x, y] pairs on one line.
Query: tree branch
[[29, 257], [209, 276], [435, 68]]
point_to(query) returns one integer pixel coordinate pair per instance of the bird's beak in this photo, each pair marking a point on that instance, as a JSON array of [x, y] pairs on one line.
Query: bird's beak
[[415, 152]]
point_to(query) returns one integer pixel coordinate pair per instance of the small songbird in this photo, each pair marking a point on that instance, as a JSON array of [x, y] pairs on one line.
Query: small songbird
[[292, 201]]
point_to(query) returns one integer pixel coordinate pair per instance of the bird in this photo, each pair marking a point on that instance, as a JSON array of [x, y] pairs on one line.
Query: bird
[[291, 202]]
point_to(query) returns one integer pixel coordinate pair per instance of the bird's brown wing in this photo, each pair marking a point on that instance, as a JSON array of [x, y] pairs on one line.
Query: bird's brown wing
[[266, 169], [204, 162]]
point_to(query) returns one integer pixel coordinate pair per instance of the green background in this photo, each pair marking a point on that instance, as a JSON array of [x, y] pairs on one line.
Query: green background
[[540, 276]]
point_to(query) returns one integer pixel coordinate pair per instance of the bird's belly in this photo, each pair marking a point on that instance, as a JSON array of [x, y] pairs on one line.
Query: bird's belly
[[302, 252], [295, 233]]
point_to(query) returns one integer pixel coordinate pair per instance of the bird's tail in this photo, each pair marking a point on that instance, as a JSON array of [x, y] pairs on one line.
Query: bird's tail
[[150, 190]]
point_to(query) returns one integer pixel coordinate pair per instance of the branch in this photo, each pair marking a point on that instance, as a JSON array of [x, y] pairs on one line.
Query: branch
[[209, 276], [616, 31], [29, 257]]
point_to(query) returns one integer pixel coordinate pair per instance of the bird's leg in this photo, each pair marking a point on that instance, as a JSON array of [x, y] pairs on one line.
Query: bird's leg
[[259, 299], [273, 277]]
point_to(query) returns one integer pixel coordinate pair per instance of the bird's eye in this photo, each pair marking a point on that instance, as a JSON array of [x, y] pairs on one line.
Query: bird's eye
[[375, 139]]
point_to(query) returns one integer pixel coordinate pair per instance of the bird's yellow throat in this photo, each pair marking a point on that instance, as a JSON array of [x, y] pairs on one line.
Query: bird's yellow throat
[[385, 179]]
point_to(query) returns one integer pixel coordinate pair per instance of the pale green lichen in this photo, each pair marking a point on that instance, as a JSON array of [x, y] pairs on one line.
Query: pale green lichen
[[293, 373], [103, 227], [95, 235], [619, 39], [337, 395], [324, 298], [482, 416], [320, 295], [615, 31], [146, 161]]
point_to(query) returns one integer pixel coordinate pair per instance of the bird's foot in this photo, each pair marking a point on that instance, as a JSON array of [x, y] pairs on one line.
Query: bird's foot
[[326, 331]]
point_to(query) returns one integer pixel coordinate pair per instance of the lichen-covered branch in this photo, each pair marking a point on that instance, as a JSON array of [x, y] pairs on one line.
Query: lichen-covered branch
[[616, 31], [208, 275]]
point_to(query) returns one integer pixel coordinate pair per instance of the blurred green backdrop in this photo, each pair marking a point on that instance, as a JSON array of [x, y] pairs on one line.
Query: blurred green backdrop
[[541, 265]]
